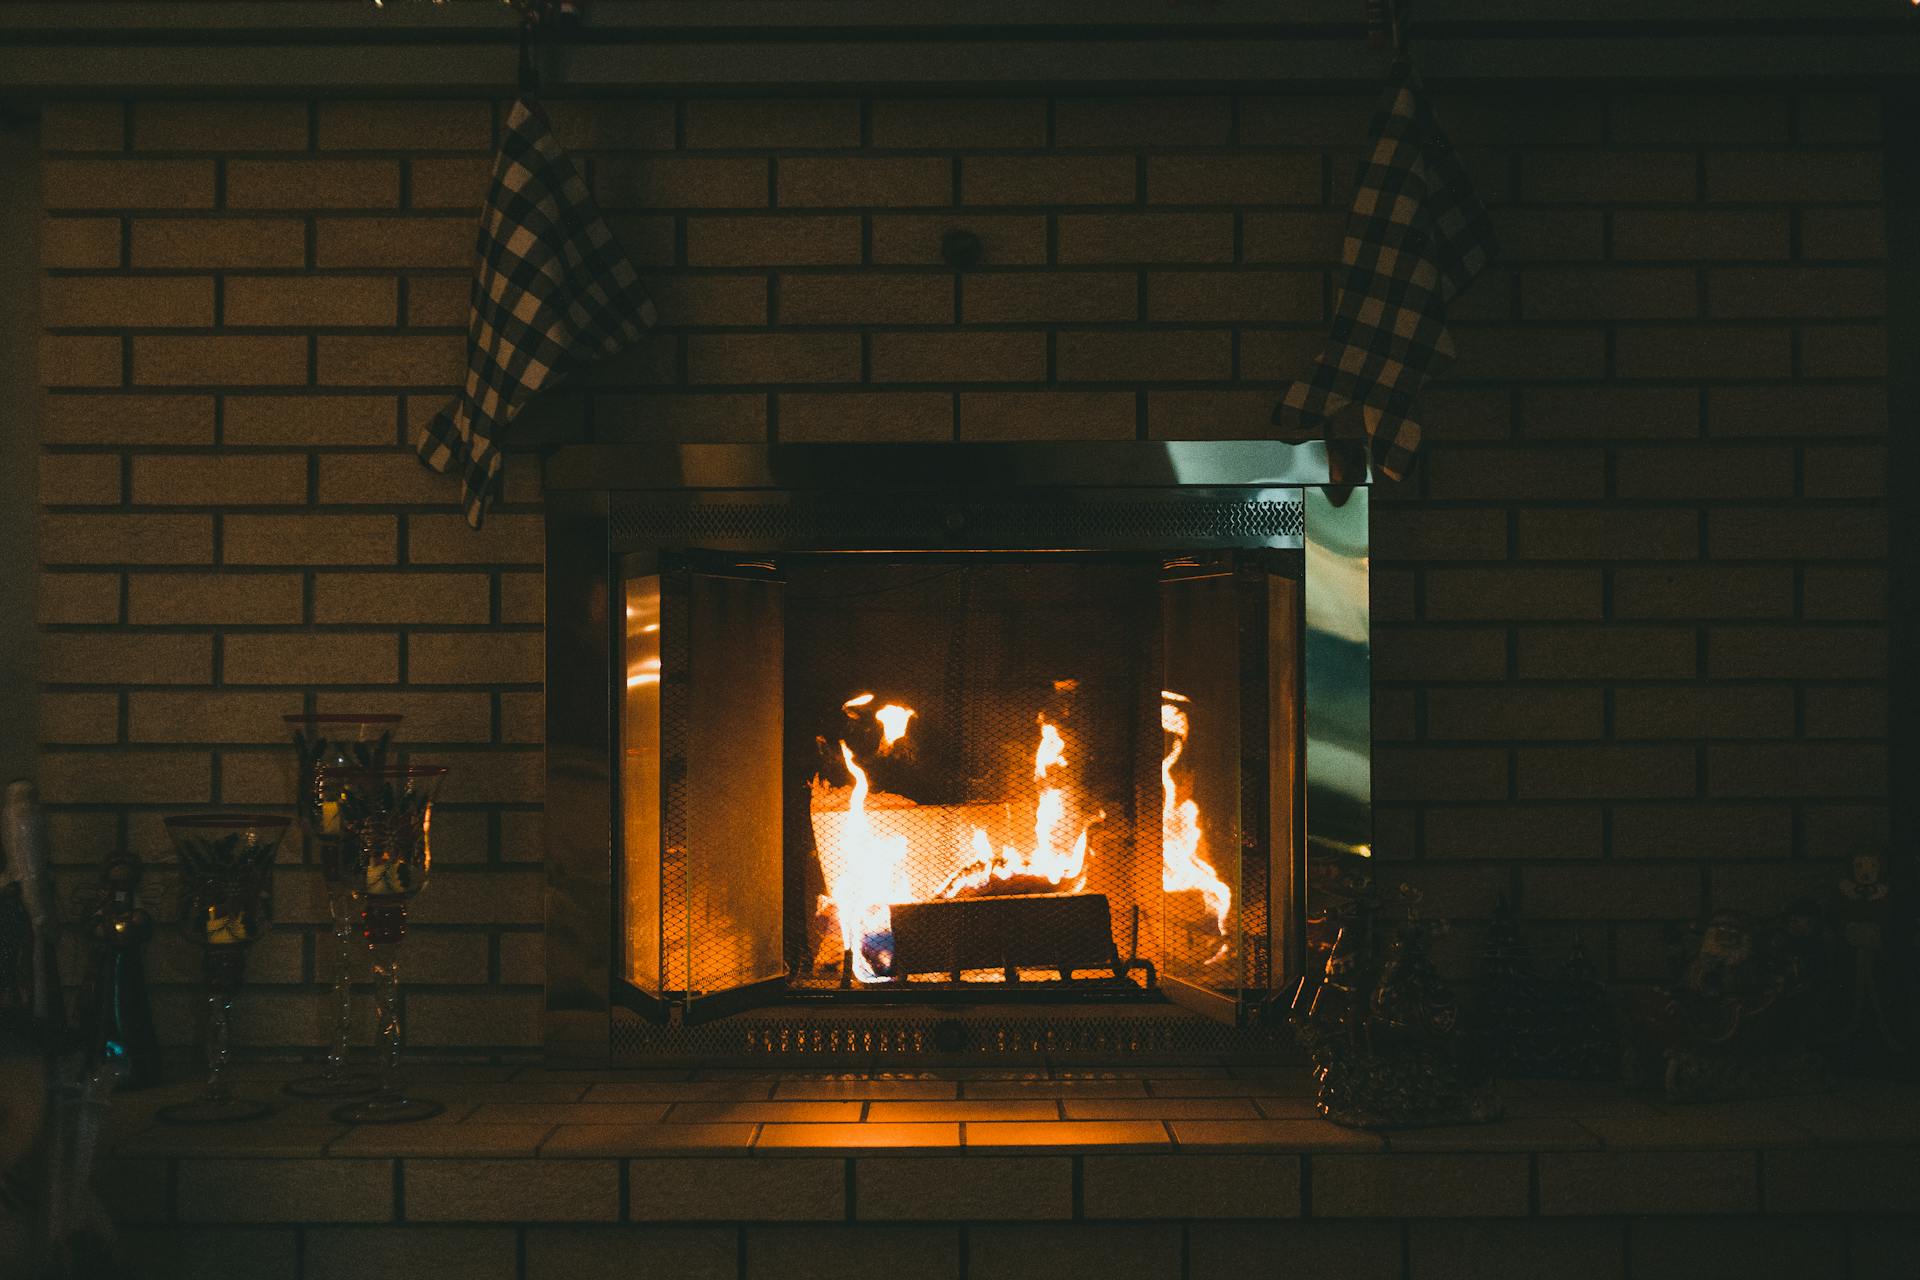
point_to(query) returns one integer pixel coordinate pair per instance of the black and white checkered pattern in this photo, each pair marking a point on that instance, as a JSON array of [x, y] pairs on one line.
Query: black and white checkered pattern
[[552, 293], [1416, 237]]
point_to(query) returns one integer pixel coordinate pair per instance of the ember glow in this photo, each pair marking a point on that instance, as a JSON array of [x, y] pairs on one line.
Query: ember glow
[[1181, 867], [1052, 865], [893, 724]]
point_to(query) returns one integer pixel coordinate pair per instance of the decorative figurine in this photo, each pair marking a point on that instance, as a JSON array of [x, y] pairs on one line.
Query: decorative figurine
[[116, 1018], [1737, 1023], [1530, 1024], [1384, 1031], [26, 848], [1864, 912]]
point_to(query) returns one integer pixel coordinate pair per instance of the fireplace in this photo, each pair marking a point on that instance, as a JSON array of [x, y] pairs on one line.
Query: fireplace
[[934, 749]]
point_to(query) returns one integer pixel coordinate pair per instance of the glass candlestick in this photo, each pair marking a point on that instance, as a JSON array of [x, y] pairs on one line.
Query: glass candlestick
[[386, 815], [321, 742], [226, 904]]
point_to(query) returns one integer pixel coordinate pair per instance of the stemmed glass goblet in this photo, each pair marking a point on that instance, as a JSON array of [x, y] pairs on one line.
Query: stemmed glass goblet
[[386, 815], [226, 904], [321, 742]]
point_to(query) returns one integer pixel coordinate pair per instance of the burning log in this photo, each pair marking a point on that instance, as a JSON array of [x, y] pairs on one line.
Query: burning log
[[1058, 931]]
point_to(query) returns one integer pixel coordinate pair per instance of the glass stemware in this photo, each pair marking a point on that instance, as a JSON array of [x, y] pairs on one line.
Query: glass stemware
[[322, 742], [226, 904], [385, 815]]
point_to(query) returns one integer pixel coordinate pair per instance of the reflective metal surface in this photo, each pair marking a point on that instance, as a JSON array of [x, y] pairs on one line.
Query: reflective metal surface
[[1339, 705], [960, 468]]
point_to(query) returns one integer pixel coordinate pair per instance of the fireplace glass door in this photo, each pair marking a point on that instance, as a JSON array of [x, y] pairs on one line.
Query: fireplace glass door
[[924, 777]]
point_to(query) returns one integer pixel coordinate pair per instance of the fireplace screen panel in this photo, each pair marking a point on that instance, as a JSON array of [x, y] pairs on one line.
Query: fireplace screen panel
[[901, 776]]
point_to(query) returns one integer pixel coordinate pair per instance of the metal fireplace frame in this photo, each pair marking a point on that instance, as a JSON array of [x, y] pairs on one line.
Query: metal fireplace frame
[[606, 502]]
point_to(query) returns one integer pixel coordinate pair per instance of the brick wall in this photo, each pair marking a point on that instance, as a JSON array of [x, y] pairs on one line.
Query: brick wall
[[1630, 643]]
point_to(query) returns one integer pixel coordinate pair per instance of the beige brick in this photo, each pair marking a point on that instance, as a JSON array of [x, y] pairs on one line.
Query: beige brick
[[714, 417], [1643, 534], [1232, 179], [409, 125], [1611, 413], [773, 240], [1843, 351], [503, 539], [707, 301], [127, 184], [1569, 176], [78, 597], [1841, 1180], [1209, 415], [1296, 237], [1700, 233], [1713, 472], [1076, 1252], [314, 302], [1145, 237], [1693, 829], [613, 125], [127, 419], [773, 357], [80, 242], [309, 539], [332, 1190], [1707, 117], [439, 301], [227, 480], [682, 182], [226, 360], [313, 184], [1702, 351], [1451, 773], [117, 302], [1180, 356], [1618, 652], [454, 658], [1047, 415], [219, 243], [1796, 652], [429, 717], [1834, 593], [1146, 120], [391, 478], [1239, 294], [959, 356], [220, 126], [1695, 713], [421, 1253], [1837, 233], [866, 299], [1748, 175], [1436, 534], [314, 418], [1818, 769], [1006, 239], [126, 777], [1614, 293], [1532, 354], [959, 123], [394, 242], [80, 479], [759, 123], [304, 659], [1767, 292], [209, 1253], [1592, 1183], [1668, 1248], [1514, 831], [1772, 533], [1532, 473], [649, 241], [213, 599], [866, 183], [390, 361], [448, 182], [78, 719], [83, 126], [735, 1190], [1716, 591], [126, 539], [1844, 472], [866, 416], [81, 362], [606, 1253], [523, 597], [823, 1252], [1565, 1250], [1014, 297], [1419, 1186], [209, 716], [1191, 1186], [1356, 1248], [507, 1020], [1517, 713], [1048, 181], [1533, 235]]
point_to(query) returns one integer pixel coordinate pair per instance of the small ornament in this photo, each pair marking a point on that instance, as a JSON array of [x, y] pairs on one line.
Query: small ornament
[[1384, 1030], [116, 1018], [1864, 913]]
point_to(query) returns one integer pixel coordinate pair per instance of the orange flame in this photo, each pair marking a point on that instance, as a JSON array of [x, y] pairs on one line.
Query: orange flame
[[865, 873], [1181, 867], [893, 724], [1064, 867]]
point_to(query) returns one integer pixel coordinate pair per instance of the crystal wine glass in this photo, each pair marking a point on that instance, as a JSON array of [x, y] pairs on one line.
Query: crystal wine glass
[[334, 742], [385, 817], [226, 904]]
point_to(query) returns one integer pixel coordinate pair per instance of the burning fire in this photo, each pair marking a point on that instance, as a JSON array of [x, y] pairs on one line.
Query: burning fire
[[1062, 867], [1181, 866]]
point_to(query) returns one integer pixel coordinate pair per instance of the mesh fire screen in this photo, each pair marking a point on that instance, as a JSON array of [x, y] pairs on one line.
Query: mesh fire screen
[[966, 773]]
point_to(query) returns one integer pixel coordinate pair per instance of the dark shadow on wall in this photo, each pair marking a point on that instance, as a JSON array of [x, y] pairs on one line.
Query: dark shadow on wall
[[19, 436]]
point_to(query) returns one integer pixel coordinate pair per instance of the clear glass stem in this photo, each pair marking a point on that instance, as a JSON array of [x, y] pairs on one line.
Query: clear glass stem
[[386, 1012], [343, 916], [219, 1005]]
